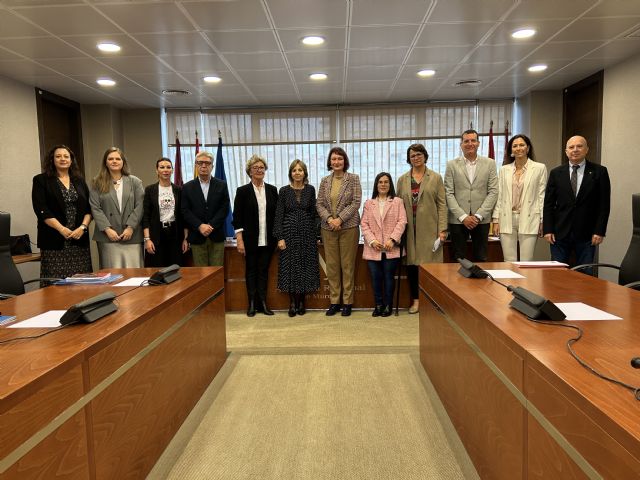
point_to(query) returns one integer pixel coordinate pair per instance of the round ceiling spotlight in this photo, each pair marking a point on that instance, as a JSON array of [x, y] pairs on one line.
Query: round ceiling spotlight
[[105, 82], [467, 83], [212, 79], [313, 40], [175, 92], [523, 33], [109, 47], [427, 72], [318, 76], [537, 68]]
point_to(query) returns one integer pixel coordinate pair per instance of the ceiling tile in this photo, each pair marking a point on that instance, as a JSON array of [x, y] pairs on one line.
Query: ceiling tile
[[482, 70], [308, 13], [276, 99], [292, 39], [175, 43], [235, 15], [469, 10], [316, 60], [255, 61], [609, 8], [439, 34], [544, 30], [618, 49], [372, 73], [382, 86], [274, 88], [155, 81], [244, 42], [147, 17], [77, 66], [380, 37], [224, 90], [13, 26], [562, 50], [597, 29], [7, 55], [206, 63], [377, 57], [264, 76], [144, 64], [426, 56], [88, 44], [40, 47], [497, 53], [384, 12], [549, 9], [335, 75], [27, 68], [56, 20]]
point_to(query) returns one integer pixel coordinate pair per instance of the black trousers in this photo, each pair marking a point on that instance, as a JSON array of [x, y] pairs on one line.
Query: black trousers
[[168, 248], [257, 273], [459, 235]]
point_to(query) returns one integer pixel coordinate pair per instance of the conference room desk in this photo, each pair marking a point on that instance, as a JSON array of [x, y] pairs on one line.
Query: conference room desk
[[25, 258], [522, 405], [102, 400]]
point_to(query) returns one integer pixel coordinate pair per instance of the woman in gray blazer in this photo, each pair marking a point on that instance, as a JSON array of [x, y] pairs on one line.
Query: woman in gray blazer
[[116, 200], [517, 216]]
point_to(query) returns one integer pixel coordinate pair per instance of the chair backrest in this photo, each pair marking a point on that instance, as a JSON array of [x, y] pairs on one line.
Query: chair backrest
[[630, 266], [10, 279]]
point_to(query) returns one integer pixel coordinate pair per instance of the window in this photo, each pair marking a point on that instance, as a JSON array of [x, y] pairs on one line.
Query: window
[[375, 138]]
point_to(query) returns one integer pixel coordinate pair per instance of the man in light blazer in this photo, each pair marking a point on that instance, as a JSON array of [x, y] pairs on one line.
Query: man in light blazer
[[205, 205], [471, 188], [576, 222]]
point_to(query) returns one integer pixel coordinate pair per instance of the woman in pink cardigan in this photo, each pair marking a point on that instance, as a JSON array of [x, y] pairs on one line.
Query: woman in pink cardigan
[[383, 222]]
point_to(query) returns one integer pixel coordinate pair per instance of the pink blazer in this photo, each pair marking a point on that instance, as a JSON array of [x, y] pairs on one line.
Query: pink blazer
[[375, 227]]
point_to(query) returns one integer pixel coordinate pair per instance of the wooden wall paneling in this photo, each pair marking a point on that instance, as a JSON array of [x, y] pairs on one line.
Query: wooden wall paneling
[[138, 414]]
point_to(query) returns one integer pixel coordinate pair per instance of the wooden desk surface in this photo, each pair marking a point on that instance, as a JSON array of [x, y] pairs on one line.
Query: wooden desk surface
[[27, 257], [568, 395]]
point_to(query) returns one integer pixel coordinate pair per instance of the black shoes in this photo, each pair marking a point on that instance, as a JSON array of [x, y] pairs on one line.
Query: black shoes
[[266, 309], [377, 311], [300, 304], [333, 309], [346, 310], [292, 304], [387, 311], [251, 310]]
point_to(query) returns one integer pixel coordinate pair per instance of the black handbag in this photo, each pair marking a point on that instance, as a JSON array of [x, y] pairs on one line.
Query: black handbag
[[20, 244]]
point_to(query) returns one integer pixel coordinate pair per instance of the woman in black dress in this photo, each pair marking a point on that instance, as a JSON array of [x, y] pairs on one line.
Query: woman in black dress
[[60, 200], [295, 230]]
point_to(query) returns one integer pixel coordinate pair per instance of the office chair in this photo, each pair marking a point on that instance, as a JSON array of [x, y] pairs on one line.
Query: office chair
[[629, 269], [11, 283]]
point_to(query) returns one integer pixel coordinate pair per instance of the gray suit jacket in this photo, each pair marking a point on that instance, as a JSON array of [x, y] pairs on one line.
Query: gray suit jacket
[[105, 211], [463, 197]]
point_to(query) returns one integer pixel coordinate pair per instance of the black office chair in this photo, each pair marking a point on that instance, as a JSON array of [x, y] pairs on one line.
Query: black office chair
[[629, 269], [11, 283]]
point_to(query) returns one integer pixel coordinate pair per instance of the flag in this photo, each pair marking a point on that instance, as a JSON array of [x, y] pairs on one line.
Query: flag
[[220, 175], [195, 169], [177, 165], [506, 142], [492, 153]]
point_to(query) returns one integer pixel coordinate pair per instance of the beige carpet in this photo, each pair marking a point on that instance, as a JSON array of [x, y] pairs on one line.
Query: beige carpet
[[351, 402]]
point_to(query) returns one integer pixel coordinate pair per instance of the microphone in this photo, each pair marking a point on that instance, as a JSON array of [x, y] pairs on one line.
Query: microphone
[[469, 269], [635, 362]]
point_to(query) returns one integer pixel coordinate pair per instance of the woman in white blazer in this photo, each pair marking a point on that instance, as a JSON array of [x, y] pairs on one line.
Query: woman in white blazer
[[383, 222], [517, 217]]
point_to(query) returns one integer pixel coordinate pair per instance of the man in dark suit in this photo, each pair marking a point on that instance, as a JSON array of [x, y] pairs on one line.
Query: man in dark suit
[[205, 204], [576, 205]]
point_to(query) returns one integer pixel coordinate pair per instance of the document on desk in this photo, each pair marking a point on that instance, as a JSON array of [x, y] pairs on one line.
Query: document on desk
[[504, 274], [50, 319], [542, 264], [133, 282], [582, 311]]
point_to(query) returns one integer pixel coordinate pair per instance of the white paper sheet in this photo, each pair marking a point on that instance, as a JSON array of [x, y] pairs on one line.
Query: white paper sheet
[[504, 274], [543, 264], [50, 319], [132, 282], [582, 311]]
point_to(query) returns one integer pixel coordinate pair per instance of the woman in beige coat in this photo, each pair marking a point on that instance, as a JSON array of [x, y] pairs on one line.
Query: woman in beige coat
[[517, 216], [422, 191]]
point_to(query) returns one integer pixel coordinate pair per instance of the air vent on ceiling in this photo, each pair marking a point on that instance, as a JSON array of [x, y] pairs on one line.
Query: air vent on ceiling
[[175, 92], [467, 83]]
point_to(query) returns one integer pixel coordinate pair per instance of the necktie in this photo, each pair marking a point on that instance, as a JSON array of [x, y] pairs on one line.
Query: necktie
[[574, 179]]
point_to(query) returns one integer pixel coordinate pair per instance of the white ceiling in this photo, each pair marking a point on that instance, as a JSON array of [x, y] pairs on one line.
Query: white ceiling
[[374, 48]]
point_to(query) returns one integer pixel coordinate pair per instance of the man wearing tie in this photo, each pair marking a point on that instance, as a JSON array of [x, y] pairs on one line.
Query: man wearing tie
[[471, 188], [576, 205]]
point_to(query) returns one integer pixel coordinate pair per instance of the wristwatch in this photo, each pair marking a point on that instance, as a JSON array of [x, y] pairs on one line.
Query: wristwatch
[[84, 227]]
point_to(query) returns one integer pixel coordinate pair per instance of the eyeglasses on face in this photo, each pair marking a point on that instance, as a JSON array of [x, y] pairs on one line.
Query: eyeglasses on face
[[257, 168], [416, 155], [200, 163]]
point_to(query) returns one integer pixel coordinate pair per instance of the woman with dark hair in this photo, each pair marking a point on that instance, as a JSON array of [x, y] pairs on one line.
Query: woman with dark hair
[[339, 198], [164, 237], [254, 211], [116, 200], [295, 230], [383, 222], [60, 200], [517, 216], [422, 191]]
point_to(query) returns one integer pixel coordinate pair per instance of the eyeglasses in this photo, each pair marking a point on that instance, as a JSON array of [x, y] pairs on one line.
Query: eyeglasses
[[256, 168], [416, 155], [203, 164]]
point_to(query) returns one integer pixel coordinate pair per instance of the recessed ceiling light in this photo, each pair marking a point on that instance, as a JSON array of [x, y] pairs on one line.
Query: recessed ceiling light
[[105, 82], [109, 47], [524, 33], [426, 73], [212, 79], [537, 68], [313, 40], [318, 76]]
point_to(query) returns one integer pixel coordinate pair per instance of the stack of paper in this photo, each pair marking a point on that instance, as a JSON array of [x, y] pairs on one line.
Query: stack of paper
[[90, 279]]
